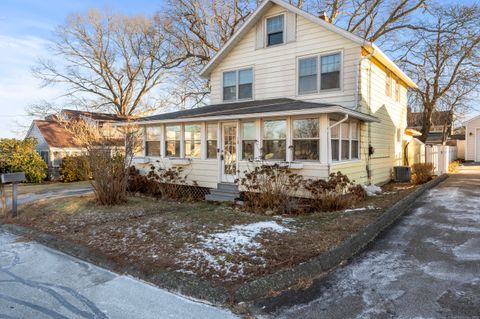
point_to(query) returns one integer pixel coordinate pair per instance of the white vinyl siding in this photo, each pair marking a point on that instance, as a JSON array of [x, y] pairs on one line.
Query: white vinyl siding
[[275, 68]]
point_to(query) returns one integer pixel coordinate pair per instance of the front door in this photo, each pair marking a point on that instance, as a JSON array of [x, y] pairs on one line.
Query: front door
[[229, 152]]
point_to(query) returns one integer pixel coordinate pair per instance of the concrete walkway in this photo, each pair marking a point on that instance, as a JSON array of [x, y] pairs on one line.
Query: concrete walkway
[[427, 266], [38, 282]]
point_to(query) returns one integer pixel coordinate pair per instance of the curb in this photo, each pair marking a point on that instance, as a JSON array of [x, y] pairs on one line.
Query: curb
[[183, 284], [322, 264], [253, 291]]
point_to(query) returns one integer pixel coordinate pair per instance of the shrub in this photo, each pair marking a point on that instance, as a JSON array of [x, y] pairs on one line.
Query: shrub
[[453, 166], [336, 193], [422, 173], [270, 188], [75, 168], [21, 156]]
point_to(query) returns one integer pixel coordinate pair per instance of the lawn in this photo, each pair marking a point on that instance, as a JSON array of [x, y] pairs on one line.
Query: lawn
[[220, 243]]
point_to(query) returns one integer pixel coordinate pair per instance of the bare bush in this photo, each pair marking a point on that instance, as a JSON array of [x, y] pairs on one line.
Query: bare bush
[[422, 173]]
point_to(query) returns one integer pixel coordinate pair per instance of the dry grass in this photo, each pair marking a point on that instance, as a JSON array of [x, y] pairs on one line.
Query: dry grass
[[154, 235]]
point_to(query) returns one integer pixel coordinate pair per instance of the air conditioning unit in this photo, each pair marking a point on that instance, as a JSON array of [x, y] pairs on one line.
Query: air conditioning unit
[[402, 173]]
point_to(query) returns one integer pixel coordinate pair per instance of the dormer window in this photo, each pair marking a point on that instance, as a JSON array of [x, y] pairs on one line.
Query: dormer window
[[275, 27], [238, 85]]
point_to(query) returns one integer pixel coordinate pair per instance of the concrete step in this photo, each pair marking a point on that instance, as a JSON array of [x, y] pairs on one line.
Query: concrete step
[[220, 198], [226, 192], [227, 186]]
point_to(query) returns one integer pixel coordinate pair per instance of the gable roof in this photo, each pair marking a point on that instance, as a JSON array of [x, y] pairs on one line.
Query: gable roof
[[252, 109], [55, 134], [267, 4]]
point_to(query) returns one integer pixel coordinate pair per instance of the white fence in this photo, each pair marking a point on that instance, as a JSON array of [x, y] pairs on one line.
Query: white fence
[[440, 156]]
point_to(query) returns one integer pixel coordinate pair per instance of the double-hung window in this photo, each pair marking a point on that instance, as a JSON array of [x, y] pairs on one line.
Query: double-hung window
[[238, 85], [319, 73], [275, 139], [248, 140], [344, 141], [388, 84], [152, 142], [308, 69], [306, 139], [397, 90], [275, 30], [192, 140], [330, 72], [212, 140], [172, 140]]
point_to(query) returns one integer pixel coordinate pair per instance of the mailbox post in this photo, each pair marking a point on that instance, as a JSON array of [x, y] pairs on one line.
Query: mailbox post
[[14, 179]]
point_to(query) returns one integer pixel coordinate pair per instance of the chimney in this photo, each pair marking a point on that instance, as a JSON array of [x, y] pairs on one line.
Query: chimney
[[323, 15]]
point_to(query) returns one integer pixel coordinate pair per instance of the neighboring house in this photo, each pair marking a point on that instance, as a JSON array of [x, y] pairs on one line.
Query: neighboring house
[[472, 139], [442, 123], [290, 88], [54, 142]]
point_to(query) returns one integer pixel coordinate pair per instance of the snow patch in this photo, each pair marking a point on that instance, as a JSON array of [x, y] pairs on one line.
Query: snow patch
[[214, 251], [372, 190], [360, 209]]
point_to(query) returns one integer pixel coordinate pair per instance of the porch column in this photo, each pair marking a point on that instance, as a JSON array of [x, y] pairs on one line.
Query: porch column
[[289, 141], [325, 150], [182, 141], [203, 142], [144, 141]]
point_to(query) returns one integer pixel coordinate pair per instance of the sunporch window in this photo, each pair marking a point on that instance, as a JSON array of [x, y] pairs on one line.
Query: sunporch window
[[172, 140], [152, 142], [275, 139], [306, 139], [248, 140], [212, 140], [192, 141], [344, 141]]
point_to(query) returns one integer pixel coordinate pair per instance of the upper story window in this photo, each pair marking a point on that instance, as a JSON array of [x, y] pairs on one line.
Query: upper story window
[[238, 85], [275, 27], [309, 69], [388, 85], [397, 90], [152, 141]]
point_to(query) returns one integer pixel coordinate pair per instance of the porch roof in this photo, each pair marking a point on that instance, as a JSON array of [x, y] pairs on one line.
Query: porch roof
[[253, 109]]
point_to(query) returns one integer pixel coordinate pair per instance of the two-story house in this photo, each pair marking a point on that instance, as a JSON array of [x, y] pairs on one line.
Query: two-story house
[[288, 87], [54, 141]]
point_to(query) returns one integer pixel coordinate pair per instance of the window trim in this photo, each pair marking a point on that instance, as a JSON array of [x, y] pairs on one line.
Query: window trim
[[388, 84], [215, 124], [265, 28], [286, 139], [237, 84], [192, 140], [340, 139], [166, 140], [317, 118], [397, 90], [318, 57]]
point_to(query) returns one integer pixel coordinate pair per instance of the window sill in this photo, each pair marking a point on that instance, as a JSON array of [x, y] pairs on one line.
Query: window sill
[[180, 161], [142, 160], [291, 165], [352, 161]]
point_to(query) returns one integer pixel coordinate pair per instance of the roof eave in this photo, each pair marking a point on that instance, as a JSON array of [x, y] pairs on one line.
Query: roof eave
[[309, 111]]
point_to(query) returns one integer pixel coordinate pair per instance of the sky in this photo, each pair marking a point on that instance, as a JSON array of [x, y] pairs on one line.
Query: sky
[[26, 28]]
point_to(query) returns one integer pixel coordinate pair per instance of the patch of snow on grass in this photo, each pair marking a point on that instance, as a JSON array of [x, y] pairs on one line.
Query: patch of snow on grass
[[360, 209], [216, 251], [372, 190]]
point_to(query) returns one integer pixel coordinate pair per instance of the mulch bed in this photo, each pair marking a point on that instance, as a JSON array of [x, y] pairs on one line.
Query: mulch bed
[[219, 243]]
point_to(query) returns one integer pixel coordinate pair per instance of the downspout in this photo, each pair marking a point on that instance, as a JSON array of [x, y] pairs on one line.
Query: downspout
[[329, 128]]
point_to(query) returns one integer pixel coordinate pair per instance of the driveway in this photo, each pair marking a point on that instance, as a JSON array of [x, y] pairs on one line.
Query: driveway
[[427, 266], [38, 282]]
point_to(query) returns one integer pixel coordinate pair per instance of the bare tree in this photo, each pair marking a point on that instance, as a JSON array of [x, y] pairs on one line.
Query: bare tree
[[109, 61], [443, 57]]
